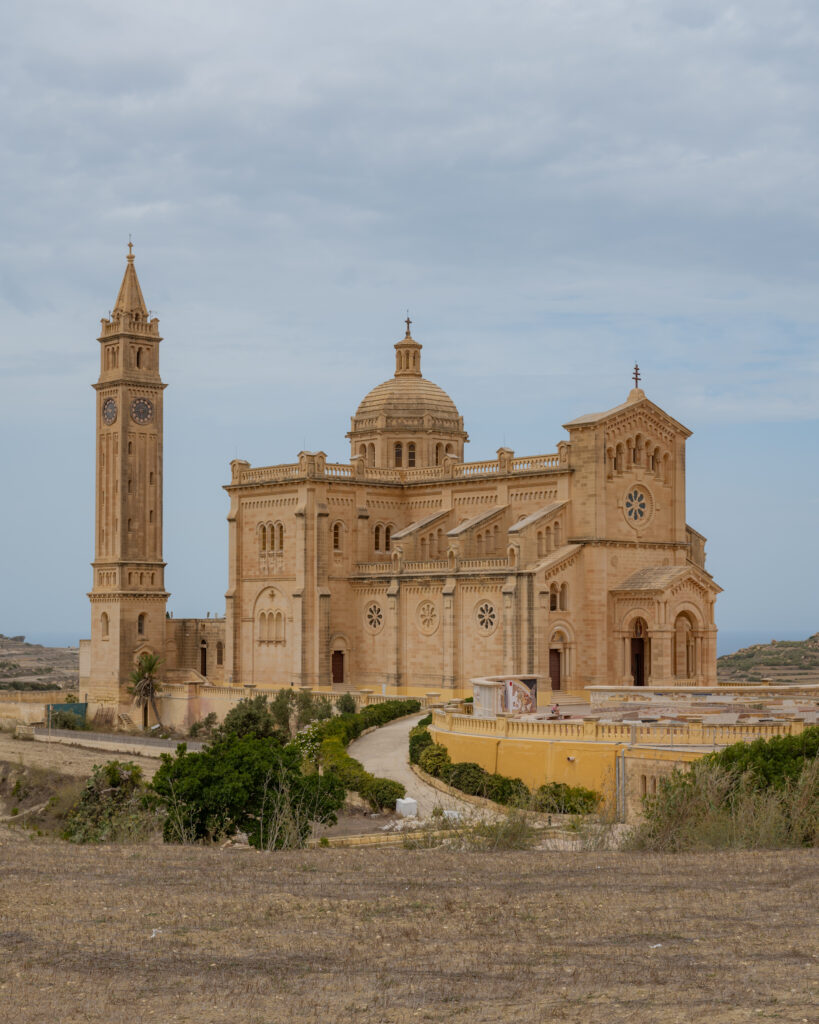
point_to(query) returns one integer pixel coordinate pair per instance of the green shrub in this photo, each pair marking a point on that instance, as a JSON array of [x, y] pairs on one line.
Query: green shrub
[[771, 762], [435, 760], [247, 784], [559, 798], [468, 777], [382, 793], [345, 704], [379, 793], [419, 740], [503, 790], [66, 720], [254, 717]]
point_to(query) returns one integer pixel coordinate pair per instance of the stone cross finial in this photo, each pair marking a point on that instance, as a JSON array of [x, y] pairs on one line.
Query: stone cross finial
[[636, 375], [130, 248], [408, 322]]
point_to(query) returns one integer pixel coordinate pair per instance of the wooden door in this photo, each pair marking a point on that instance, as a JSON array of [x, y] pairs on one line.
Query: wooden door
[[554, 669], [337, 665]]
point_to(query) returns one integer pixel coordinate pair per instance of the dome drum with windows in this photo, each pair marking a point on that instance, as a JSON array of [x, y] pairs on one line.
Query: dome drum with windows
[[407, 422]]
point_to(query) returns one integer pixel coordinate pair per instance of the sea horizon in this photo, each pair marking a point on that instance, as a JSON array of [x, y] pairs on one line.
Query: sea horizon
[[728, 640]]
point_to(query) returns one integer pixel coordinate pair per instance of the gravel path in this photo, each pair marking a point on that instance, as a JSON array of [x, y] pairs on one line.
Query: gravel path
[[384, 752]]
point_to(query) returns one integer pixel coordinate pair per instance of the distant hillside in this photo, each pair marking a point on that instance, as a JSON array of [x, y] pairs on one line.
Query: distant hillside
[[781, 661], [32, 667]]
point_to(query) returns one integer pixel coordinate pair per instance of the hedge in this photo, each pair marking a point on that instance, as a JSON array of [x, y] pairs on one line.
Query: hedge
[[339, 731], [468, 777]]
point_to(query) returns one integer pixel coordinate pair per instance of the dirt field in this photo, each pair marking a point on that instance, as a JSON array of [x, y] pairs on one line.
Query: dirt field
[[63, 758], [127, 934]]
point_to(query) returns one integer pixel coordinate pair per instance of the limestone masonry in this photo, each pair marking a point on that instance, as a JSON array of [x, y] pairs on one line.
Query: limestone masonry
[[406, 566]]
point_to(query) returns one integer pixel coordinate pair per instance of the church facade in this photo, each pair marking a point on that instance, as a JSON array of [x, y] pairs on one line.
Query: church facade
[[406, 566]]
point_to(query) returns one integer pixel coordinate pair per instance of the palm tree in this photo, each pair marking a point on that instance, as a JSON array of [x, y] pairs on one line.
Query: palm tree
[[144, 685]]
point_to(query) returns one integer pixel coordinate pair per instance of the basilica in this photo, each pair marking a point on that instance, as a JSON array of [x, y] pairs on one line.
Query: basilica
[[407, 566]]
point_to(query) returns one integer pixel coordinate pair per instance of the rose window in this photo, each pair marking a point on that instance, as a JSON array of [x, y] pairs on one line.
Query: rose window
[[487, 617], [374, 617], [427, 617], [636, 505]]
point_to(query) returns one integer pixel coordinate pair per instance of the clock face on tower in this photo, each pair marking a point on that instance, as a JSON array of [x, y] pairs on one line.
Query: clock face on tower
[[141, 410], [109, 411]]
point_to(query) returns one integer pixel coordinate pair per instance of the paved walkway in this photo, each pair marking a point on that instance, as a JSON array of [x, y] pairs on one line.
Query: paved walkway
[[384, 753]]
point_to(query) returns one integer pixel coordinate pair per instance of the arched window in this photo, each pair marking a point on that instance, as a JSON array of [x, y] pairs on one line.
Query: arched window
[[557, 534], [439, 450], [479, 544], [547, 540], [540, 543], [139, 358], [278, 628], [377, 544], [104, 625], [387, 537], [371, 455], [411, 455], [220, 652], [262, 531], [399, 454], [439, 544], [141, 624], [362, 451], [279, 537], [564, 597], [618, 458], [450, 450], [336, 536], [554, 597], [423, 549]]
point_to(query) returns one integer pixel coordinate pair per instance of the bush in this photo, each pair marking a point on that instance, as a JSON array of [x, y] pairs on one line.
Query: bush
[[114, 806], [771, 762], [559, 798], [714, 807], [345, 704], [468, 777], [379, 793], [252, 716], [66, 720], [205, 728], [419, 740], [503, 790], [247, 784], [435, 760]]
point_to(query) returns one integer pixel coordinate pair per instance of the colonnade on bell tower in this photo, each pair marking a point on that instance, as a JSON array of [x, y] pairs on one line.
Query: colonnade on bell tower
[[128, 597]]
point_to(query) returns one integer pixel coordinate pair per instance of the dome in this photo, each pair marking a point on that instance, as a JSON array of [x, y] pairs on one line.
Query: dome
[[407, 398]]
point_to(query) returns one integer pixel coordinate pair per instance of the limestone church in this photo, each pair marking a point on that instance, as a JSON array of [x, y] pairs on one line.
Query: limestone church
[[406, 566]]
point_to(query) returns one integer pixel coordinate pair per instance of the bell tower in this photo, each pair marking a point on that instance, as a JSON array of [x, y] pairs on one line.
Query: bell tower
[[128, 596]]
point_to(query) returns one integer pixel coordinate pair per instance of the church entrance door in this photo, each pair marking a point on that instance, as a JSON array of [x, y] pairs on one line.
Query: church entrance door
[[554, 669], [638, 653], [337, 665]]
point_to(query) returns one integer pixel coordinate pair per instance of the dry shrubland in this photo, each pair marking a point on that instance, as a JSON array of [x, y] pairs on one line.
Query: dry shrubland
[[133, 933]]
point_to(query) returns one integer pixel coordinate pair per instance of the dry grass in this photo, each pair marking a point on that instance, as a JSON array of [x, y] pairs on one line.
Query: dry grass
[[402, 936]]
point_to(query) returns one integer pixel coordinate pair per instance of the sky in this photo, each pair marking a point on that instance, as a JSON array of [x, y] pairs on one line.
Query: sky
[[553, 189]]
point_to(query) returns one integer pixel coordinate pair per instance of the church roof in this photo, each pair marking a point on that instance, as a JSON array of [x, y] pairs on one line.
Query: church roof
[[407, 397], [636, 397], [541, 513], [657, 577]]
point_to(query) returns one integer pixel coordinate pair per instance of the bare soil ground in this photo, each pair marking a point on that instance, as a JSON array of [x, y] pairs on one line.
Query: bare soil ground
[[126, 934]]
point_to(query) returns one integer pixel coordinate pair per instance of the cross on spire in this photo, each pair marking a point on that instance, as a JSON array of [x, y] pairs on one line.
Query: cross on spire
[[130, 248], [408, 322], [636, 375]]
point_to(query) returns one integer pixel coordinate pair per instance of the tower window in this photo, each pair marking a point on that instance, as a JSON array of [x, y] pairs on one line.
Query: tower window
[[104, 625], [411, 455], [377, 538], [220, 652], [387, 537], [141, 624], [139, 358], [337, 537], [399, 454]]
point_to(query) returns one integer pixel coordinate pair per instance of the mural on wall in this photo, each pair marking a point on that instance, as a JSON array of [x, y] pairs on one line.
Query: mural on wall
[[520, 696]]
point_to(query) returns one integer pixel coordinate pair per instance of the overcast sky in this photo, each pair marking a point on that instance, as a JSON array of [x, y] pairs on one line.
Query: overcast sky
[[553, 189]]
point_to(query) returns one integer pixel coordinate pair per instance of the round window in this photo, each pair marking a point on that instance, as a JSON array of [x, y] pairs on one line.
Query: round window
[[487, 617], [374, 617]]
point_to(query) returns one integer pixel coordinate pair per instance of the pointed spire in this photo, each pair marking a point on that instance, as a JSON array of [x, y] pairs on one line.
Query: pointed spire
[[129, 299]]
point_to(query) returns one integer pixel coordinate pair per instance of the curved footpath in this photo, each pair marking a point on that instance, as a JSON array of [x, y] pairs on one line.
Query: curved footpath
[[384, 752]]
